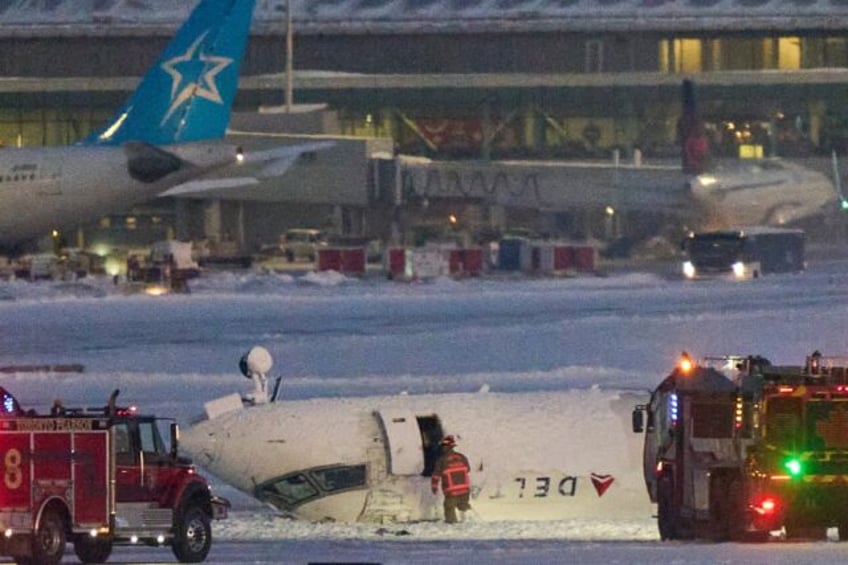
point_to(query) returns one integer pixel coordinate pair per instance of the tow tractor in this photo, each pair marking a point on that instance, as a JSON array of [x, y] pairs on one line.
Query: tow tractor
[[97, 478], [738, 448]]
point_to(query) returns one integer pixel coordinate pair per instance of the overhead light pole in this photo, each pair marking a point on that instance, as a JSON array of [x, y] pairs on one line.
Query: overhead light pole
[[289, 58]]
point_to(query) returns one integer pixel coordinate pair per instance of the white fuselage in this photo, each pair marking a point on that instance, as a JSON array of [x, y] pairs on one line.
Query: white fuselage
[[534, 456], [764, 193], [42, 189]]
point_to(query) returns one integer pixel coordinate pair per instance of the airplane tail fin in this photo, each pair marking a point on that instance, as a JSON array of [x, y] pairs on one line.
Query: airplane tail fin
[[188, 93], [692, 135]]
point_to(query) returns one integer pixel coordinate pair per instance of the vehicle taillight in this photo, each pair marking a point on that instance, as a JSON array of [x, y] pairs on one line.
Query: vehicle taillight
[[786, 389], [765, 506]]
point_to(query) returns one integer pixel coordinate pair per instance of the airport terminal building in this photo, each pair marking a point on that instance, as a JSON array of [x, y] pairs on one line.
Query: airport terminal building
[[458, 107]]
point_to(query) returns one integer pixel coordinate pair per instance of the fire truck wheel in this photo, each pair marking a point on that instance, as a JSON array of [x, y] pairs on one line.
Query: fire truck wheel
[[720, 509], [91, 550], [193, 536], [737, 525], [48, 545], [665, 509], [842, 531]]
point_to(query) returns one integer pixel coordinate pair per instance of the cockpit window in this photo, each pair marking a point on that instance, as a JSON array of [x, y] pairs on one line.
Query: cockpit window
[[291, 490], [340, 478]]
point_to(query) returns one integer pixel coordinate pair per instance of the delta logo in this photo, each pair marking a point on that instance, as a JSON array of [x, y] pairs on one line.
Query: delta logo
[[601, 482]]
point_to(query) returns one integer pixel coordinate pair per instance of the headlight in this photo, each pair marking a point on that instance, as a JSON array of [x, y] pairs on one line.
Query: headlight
[[688, 270], [156, 290], [739, 269]]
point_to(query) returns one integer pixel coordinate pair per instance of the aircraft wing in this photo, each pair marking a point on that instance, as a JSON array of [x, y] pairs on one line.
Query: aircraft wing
[[209, 185], [272, 162], [285, 151]]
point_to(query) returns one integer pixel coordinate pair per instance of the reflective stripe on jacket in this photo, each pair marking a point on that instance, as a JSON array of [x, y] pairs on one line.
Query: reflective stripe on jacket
[[452, 470]]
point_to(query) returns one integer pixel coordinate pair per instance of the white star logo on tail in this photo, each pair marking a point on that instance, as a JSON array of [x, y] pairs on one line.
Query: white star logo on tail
[[205, 87]]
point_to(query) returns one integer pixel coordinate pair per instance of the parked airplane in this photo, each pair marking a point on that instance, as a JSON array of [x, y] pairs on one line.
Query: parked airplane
[[766, 192], [534, 456], [170, 131]]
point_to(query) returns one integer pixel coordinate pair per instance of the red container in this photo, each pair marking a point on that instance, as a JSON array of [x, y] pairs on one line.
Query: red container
[[563, 257], [353, 261], [472, 261], [584, 258], [329, 259], [396, 261], [455, 261]]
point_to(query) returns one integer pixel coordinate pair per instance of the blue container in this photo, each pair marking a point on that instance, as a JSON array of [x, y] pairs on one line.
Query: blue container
[[509, 253]]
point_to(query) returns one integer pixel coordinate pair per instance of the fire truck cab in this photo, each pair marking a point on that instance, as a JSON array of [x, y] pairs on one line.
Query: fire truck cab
[[737, 448], [97, 478]]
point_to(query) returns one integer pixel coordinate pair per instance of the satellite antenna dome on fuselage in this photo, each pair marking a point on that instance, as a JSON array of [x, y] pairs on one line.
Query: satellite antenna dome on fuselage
[[257, 361]]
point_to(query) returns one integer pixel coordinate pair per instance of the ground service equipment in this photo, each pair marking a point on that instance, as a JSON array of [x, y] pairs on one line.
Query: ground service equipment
[[97, 478], [738, 448], [744, 253]]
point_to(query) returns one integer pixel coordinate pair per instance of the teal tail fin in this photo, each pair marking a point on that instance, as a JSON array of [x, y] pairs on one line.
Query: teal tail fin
[[188, 94]]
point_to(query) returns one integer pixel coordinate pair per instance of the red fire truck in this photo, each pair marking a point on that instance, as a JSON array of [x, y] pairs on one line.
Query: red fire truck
[[738, 448], [97, 478]]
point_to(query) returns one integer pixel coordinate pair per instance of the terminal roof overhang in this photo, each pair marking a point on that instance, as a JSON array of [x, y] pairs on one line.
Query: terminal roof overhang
[[30, 18], [329, 81]]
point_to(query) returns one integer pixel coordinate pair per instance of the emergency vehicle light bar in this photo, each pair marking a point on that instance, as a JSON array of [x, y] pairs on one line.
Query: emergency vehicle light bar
[[835, 367], [685, 364], [747, 364]]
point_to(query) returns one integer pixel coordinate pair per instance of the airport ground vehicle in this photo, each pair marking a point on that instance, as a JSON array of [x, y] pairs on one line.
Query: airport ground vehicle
[[743, 253], [736, 448], [97, 478], [302, 243]]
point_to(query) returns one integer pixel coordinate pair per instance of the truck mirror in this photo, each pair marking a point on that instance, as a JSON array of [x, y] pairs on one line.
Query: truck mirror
[[638, 420], [175, 439]]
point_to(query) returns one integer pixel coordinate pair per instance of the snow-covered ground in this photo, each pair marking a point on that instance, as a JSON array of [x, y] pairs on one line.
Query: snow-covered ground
[[333, 336]]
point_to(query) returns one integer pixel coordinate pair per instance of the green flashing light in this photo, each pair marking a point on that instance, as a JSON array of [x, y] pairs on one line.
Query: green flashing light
[[843, 204], [794, 467]]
